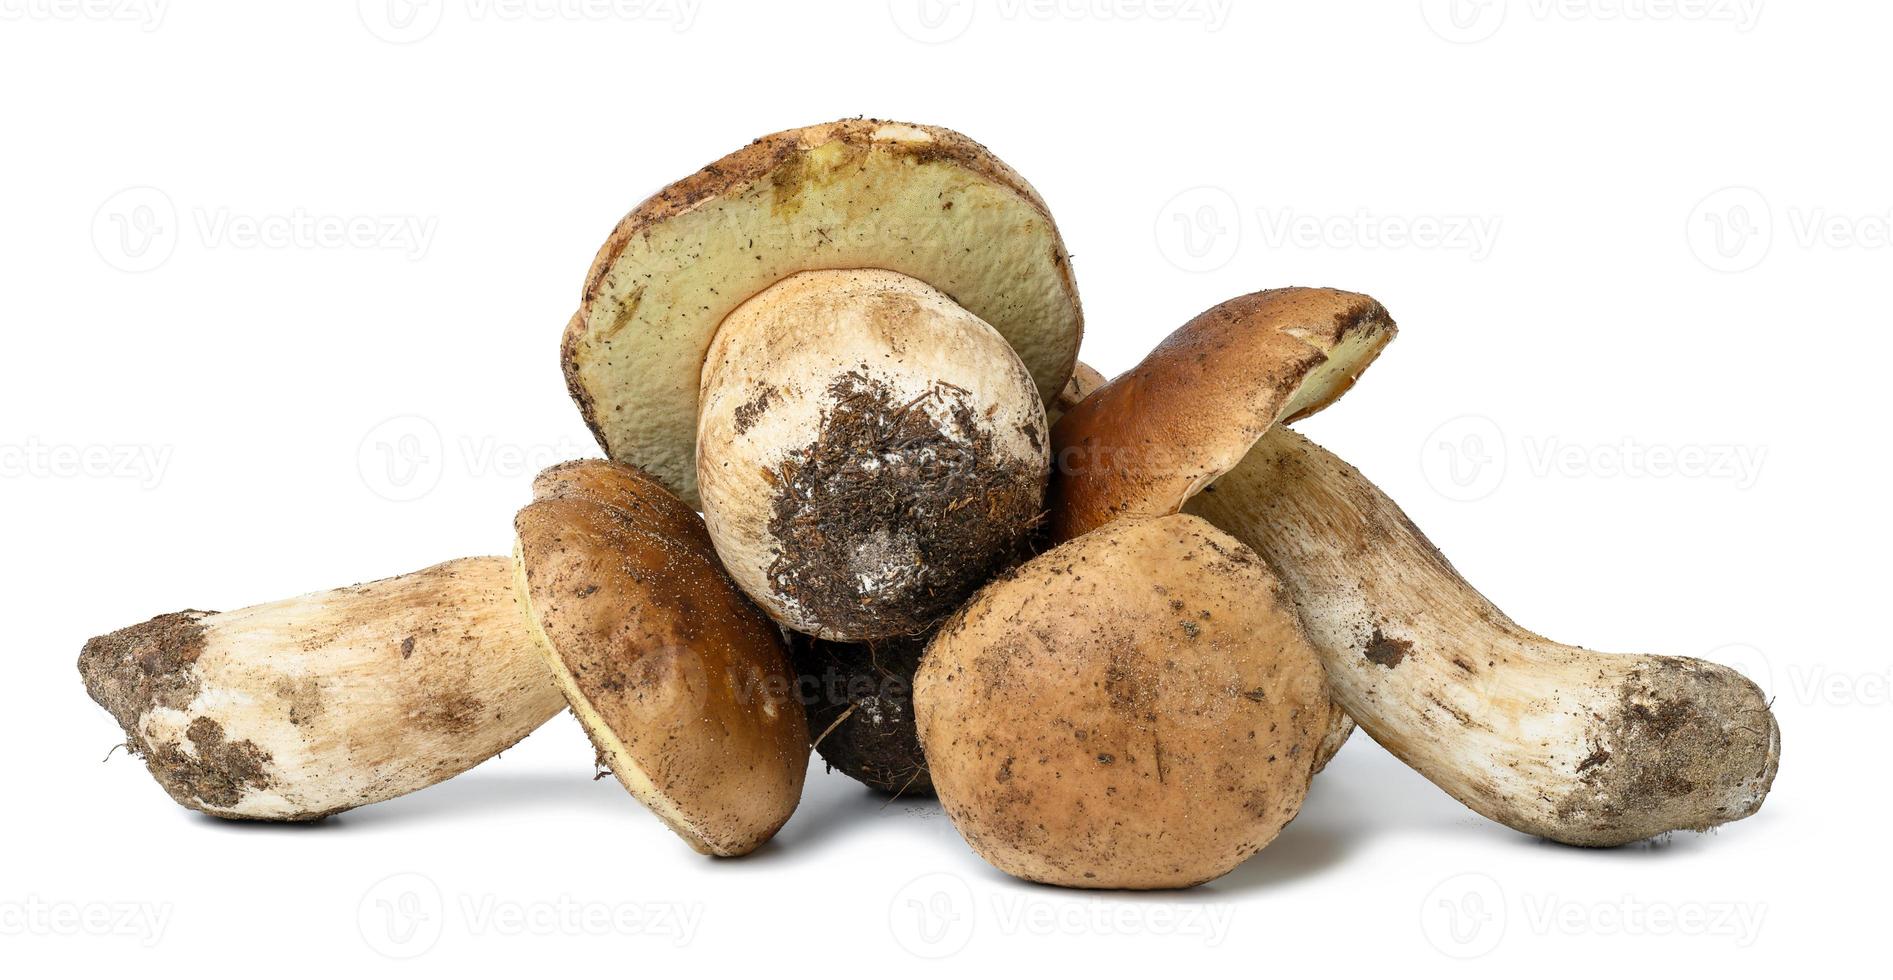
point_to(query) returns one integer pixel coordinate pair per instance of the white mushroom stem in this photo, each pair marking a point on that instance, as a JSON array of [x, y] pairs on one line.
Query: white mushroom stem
[[298, 709], [868, 452], [1579, 747]]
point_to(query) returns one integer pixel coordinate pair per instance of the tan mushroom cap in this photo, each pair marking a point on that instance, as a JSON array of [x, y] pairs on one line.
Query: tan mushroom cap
[[682, 684], [923, 201], [1136, 708], [1153, 437]]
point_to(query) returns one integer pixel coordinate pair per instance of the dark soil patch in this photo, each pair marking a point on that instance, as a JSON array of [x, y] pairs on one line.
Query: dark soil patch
[[862, 696], [893, 516]]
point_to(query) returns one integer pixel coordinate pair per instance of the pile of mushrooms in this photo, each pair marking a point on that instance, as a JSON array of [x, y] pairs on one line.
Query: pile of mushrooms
[[1117, 627]]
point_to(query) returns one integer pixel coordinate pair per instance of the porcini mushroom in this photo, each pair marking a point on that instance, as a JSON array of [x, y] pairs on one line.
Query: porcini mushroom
[[1583, 748], [299, 709], [682, 684], [1148, 440], [714, 312], [1574, 746], [1137, 708]]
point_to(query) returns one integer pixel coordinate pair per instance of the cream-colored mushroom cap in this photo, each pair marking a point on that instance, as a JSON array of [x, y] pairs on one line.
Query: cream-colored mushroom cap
[[1136, 708], [682, 684], [869, 452], [855, 194]]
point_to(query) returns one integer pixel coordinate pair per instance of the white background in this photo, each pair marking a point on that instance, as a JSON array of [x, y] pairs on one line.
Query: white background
[[1636, 249]]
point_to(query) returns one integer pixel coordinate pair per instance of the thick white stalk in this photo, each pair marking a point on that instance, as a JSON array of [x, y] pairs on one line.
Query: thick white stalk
[[1558, 741], [298, 709]]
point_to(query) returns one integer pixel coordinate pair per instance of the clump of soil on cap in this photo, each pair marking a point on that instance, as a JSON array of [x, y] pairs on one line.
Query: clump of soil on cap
[[898, 510], [860, 701]]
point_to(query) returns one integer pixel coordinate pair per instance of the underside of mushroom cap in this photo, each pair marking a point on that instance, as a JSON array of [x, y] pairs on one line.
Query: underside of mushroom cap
[[1148, 440], [855, 194], [682, 684]]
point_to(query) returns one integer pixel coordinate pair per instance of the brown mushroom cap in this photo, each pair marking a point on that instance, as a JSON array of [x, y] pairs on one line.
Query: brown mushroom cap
[[855, 194], [682, 684], [1136, 708], [1153, 437]]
